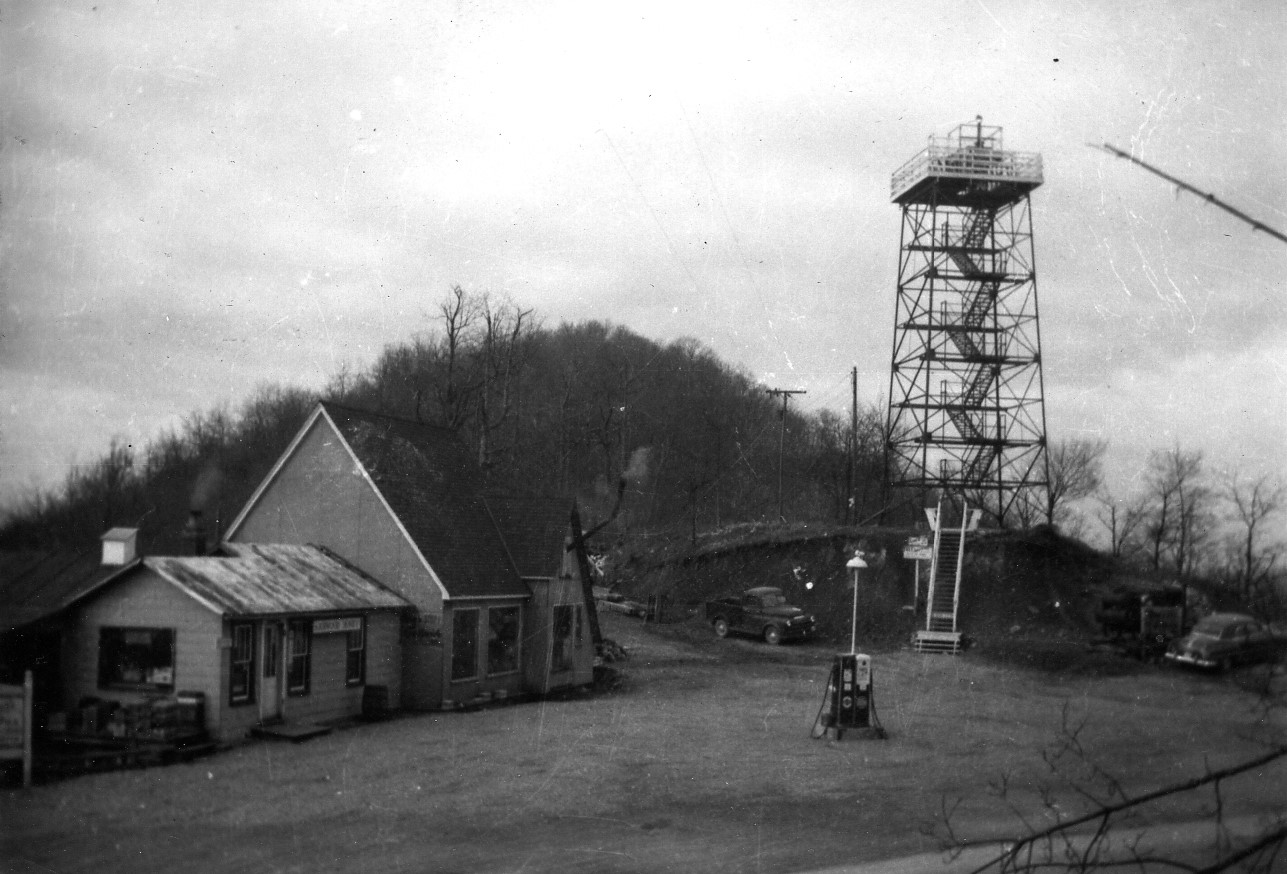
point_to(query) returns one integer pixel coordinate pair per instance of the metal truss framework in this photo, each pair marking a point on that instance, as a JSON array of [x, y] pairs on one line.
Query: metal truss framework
[[967, 411]]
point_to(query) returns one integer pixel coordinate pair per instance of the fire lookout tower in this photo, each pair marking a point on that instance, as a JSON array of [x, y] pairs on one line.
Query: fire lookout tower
[[966, 409]]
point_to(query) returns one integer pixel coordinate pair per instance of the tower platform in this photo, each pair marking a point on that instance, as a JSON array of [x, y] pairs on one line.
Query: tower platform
[[967, 167]]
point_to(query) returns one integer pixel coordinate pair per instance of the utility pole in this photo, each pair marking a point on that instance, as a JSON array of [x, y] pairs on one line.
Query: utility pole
[[785, 394], [851, 508]]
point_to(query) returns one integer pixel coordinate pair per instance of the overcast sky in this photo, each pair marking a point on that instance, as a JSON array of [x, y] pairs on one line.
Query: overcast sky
[[199, 198]]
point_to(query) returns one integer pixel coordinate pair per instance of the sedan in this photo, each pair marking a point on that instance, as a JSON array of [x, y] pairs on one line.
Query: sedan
[[1223, 640]]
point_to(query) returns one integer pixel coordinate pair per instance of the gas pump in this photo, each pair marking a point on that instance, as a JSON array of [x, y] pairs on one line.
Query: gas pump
[[851, 703], [848, 703]]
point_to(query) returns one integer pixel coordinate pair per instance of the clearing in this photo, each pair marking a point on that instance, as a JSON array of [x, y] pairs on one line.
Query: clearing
[[700, 760]]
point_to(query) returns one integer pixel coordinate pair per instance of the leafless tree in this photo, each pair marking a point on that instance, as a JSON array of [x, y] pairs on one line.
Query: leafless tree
[[505, 327], [1254, 502], [1076, 471], [1123, 520], [1080, 817], [1180, 516]]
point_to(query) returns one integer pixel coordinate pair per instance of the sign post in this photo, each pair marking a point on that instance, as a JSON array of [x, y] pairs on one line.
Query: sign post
[[918, 549], [15, 725]]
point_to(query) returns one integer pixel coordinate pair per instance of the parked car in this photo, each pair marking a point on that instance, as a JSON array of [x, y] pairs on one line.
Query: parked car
[[618, 603], [762, 612], [1223, 640]]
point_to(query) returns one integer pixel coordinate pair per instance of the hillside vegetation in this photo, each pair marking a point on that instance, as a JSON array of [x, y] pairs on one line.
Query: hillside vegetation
[[1016, 584], [574, 410]]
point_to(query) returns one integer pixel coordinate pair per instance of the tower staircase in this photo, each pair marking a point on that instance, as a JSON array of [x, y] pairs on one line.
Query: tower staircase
[[941, 634], [965, 327]]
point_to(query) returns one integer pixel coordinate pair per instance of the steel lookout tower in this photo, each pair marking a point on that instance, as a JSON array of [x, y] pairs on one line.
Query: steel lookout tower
[[966, 410]]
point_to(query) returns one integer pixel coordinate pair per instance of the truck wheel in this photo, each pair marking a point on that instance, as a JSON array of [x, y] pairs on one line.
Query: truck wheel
[[721, 627], [772, 635]]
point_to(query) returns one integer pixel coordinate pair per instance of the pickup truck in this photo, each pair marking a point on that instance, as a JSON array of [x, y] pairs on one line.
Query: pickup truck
[[761, 612]]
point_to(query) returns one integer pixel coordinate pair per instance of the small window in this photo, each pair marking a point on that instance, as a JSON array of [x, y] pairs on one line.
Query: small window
[[464, 644], [241, 670], [299, 665], [502, 640], [561, 654], [136, 658], [355, 656]]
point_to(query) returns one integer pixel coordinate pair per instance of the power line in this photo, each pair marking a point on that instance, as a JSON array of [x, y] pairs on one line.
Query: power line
[[1207, 196]]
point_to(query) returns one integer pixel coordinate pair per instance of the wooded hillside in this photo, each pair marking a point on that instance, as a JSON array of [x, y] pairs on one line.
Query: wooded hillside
[[572, 410]]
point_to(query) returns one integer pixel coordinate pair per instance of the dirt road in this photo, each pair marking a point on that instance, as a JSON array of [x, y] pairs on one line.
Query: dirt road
[[701, 761]]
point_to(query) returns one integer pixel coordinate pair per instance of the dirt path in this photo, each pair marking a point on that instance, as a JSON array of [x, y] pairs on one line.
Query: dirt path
[[701, 761]]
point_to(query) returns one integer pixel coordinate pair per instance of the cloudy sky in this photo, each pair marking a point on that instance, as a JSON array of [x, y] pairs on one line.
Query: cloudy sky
[[198, 198]]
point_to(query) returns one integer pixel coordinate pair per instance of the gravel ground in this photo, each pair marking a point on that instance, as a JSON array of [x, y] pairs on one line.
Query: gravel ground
[[700, 760]]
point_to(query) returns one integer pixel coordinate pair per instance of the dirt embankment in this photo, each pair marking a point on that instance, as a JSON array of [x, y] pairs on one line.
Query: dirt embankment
[[1026, 584]]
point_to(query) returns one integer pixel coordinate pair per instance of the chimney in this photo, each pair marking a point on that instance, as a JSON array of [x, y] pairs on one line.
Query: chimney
[[119, 547], [195, 532]]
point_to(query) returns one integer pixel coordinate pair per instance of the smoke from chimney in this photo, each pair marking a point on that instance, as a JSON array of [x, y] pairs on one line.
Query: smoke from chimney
[[206, 489], [195, 532], [637, 469]]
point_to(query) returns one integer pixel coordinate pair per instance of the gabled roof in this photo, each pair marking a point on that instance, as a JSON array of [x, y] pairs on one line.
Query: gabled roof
[[431, 482], [34, 585], [536, 529], [274, 579]]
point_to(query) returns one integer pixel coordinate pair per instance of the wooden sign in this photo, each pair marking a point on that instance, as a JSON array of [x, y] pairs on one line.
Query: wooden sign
[[334, 626], [15, 725]]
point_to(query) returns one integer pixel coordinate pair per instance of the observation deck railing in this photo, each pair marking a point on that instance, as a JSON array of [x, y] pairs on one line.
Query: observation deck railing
[[945, 157]]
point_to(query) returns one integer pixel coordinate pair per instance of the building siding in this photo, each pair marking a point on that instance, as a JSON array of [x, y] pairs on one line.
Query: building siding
[[321, 497], [144, 600], [548, 594], [203, 657]]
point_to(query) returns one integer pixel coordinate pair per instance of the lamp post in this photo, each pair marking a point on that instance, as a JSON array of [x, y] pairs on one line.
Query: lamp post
[[856, 562]]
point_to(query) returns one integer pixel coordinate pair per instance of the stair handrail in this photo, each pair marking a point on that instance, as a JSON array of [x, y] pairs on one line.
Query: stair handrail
[[929, 595], [960, 562]]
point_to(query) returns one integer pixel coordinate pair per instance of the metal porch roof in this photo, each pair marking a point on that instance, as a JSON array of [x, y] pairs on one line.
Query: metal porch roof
[[271, 579]]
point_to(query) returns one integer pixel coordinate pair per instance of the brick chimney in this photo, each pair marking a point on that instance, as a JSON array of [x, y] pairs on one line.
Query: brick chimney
[[119, 546]]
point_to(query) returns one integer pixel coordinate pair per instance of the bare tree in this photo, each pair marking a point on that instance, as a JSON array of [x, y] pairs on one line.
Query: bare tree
[[1076, 471], [505, 327], [1123, 520], [1080, 817], [458, 313], [1180, 508], [1254, 502]]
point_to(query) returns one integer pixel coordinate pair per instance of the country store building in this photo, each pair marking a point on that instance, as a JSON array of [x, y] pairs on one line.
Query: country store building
[[369, 560]]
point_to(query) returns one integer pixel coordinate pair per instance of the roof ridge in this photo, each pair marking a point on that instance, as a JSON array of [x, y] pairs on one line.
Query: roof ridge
[[335, 405]]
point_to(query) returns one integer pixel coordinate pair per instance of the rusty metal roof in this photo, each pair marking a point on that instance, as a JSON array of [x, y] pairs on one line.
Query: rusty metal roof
[[270, 579]]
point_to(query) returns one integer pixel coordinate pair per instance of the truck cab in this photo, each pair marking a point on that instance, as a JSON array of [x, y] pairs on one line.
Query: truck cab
[[760, 612]]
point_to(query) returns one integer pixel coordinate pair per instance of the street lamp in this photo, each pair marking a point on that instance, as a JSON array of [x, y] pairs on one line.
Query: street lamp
[[856, 562]]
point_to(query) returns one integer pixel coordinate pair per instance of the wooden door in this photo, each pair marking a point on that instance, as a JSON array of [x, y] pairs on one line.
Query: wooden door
[[270, 691]]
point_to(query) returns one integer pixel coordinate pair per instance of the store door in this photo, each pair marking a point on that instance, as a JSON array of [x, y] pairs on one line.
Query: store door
[[270, 697]]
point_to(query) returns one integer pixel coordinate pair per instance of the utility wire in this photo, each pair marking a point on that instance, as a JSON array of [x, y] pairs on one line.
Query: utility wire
[[1207, 196]]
